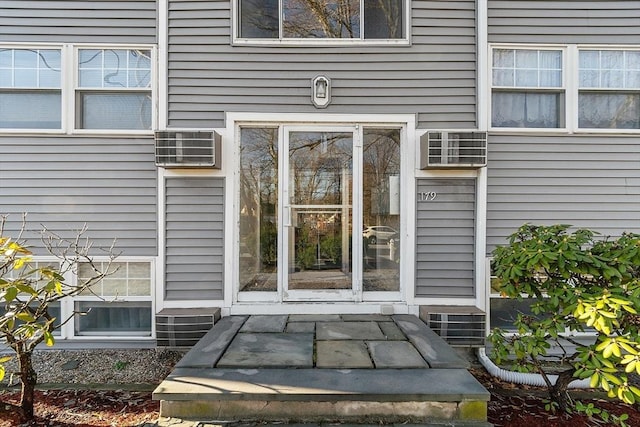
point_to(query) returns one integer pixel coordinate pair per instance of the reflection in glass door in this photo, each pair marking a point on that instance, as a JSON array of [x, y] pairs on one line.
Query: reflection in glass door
[[318, 214]]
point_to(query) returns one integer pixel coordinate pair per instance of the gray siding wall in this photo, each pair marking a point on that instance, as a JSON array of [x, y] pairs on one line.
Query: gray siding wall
[[434, 77], [194, 242], [65, 182], [568, 21], [586, 181], [115, 21], [445, 238]]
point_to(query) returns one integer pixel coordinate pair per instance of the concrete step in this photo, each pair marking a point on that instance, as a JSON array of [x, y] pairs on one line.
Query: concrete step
[[315, 395]]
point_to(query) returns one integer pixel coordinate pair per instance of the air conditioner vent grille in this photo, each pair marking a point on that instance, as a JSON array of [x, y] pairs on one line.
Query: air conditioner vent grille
[[447, 149], [187, 149]]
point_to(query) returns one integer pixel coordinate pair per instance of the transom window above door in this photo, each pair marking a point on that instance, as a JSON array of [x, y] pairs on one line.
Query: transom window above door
[[321, 20]]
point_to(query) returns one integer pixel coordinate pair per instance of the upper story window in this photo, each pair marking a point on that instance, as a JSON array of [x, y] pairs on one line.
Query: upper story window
[[528, 90], [114, 89], [570, 88], [30, 88], [609, 89], [321, 19], [64, 88]]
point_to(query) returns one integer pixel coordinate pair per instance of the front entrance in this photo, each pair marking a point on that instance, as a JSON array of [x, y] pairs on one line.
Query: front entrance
[[319, 213]]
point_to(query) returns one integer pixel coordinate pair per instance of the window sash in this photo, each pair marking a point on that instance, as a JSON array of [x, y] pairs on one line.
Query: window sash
[[345, 20]]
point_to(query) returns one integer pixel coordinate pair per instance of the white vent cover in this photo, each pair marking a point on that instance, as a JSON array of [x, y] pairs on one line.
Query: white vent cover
[[180, 149], [453, 149]]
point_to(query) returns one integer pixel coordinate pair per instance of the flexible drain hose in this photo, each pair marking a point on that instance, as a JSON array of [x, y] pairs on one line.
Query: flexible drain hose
[[521, 377]]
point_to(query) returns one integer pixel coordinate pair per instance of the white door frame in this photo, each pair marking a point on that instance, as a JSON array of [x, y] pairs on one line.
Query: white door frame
[[365, 301]]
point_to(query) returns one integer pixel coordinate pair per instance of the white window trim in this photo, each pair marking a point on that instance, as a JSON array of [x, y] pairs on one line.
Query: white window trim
[[53, 46], [236, 40], [68, 88], [67, 305], [74, 88], [570, 76]]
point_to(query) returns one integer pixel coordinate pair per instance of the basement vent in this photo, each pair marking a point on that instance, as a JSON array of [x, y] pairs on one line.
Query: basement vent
[[176, 328], [447, 149], [184, 149], [459, 326]]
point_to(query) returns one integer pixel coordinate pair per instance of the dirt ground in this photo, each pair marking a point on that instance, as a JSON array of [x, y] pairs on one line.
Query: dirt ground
[[510, 406]]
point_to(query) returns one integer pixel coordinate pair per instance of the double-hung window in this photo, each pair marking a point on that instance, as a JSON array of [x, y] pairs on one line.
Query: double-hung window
[[528, 88], [30, 88], [321, 19], [570, 88], [113, 89], [609, 89]]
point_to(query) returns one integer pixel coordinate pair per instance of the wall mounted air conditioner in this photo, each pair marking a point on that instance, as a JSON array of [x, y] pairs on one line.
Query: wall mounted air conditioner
[[188, 149], [453, 149]]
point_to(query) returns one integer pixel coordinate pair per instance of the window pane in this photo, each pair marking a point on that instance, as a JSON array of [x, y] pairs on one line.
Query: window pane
[[609, 111], [526, 110], [259, 19], [258, 209], [113, 318], [384, 19], [616, 69], [125, 68], [321, 19], [115, 111], [527, 68], [30, 110], [381, 209]]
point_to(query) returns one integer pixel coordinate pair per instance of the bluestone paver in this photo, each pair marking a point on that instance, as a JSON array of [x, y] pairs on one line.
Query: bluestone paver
[[348, 331], [314, 318], [395, 354], [342, 354], [272, 350], [301, 327], [263, 323], [366, 318], [391, 331]]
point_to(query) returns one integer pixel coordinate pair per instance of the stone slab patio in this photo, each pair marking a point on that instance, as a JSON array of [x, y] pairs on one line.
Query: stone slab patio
[[316, 368]]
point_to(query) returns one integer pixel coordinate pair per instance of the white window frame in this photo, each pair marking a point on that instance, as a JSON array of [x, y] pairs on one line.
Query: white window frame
[[67, 305], [71, 302], [69, 87], [562, 89], [63, 112], [75, 89], [571, 74], [237, 40]]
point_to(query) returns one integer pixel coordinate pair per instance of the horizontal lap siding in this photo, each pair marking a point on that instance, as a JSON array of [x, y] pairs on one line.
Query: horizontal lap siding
[[63, 183], [586, 181], [435, 77], [445, 238], [194, 238], [116, 21], [576, 21]]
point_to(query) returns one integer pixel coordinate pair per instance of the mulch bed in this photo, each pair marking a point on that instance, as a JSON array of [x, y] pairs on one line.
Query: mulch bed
[[510, 406]]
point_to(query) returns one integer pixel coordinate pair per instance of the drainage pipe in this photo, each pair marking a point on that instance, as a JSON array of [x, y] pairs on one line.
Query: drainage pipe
[[521, 377]]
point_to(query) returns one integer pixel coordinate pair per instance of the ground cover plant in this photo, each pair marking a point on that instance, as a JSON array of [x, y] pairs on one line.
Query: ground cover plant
[[579, 282]]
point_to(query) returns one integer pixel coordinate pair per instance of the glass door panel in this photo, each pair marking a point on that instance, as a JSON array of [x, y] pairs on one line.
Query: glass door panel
[[381, 209], [318, 206], [258, 209]]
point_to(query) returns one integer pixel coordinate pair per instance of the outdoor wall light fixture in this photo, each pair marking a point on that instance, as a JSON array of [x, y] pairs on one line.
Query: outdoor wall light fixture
[[321, 91]]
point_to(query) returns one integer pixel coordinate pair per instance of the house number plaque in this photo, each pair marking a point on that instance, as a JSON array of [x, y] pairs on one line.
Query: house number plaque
[[427, 196]]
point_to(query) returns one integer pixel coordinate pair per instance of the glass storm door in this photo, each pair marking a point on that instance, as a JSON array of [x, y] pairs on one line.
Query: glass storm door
[[318, 215]]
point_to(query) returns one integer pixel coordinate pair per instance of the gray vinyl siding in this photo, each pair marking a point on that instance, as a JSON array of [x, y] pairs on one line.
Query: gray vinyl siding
[[194, 240], [109, 184], [585, 181], [569, 21], [445, 238], [115, 21], [434, 77]]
